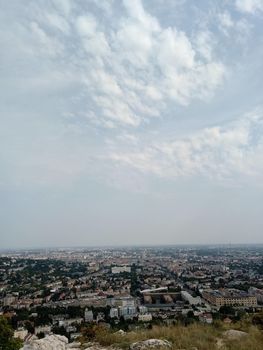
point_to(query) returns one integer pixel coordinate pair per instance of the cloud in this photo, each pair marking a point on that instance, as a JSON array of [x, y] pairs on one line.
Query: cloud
[[129, 70], [204, 44], [229, 26], [117, 66], [249, 6], [63, 5], [58, 22], [86, 25], [220, 153], [226, 22]]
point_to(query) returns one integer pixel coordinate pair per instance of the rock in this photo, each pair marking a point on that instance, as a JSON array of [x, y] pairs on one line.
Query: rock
[[75, 345], [231, 334], [88, 344], [99, 347], [120, 332], [150, 343], [51, 342], [234, 334]]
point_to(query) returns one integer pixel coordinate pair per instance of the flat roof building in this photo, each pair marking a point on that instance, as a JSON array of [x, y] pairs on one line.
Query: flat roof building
[[229, 297]]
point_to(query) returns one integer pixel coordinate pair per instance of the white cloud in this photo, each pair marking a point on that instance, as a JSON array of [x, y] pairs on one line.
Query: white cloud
[[175, 51], [143, 66], [45, 44], [63, 6], [249, 6], [226, 19], [117, 110], [86, 25], [204, 44], [226, 22], [215, 152], [241, 28], [129, 69], [58, 22]]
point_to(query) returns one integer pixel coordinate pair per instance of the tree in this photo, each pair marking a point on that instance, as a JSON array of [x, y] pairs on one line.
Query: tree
[[227, 310], [258, 320], [7, 341]]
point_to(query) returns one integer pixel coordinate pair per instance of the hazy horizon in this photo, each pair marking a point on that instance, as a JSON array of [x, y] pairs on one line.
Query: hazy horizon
[[135, 246], [131, 122]]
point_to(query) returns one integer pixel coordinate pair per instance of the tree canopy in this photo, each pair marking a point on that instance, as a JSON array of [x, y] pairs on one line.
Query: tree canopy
[[7, 340]]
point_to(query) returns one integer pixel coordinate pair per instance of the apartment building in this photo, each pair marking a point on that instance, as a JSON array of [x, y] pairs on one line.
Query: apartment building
[[229, 297]]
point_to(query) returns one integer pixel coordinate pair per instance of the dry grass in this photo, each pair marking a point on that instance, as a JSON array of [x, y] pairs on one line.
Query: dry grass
[[254, 341], [203, 337]]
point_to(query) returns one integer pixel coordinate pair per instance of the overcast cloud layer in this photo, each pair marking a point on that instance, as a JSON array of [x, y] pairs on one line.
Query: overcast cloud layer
[[131, 122]]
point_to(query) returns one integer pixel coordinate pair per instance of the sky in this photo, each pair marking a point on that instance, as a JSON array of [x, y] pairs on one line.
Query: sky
[[128, 122]]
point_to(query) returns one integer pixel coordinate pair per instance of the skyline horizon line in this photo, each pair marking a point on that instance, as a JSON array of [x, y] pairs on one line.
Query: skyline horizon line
[[171, 245]]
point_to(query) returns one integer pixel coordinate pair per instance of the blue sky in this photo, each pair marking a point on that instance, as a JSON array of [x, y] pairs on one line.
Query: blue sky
[[131, 122]]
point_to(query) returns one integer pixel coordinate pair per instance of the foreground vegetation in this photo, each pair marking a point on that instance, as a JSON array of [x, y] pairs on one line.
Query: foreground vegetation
[[7, 341], [202, 337]]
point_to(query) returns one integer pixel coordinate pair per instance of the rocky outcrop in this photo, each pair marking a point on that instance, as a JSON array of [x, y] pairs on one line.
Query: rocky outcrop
[[150, 344], [233, 334], [58, 342], [51, 342]]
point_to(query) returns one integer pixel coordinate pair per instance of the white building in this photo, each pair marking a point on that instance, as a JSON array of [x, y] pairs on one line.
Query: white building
[[206, 318], [43, 329], [88, 315], [127, 311], [143, 309], [121, 301], [145, 318], [188, 297], [70, 321], [119, 269], [114, 312]]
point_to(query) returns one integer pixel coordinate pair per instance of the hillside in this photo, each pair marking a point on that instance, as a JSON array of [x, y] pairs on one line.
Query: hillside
[[196, 336]]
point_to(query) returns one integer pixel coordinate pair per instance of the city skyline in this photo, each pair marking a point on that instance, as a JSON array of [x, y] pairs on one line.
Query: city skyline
[[131, 123]]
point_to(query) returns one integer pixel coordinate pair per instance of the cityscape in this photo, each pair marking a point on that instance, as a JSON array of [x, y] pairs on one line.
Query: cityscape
[[61, 291], [131, 175]]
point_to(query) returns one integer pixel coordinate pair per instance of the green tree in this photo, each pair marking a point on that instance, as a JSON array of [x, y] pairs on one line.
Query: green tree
[[7, 341]]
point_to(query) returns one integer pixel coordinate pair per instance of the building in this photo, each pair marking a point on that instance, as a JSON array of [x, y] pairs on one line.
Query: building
[[70, 321], [100, 317], [143, 309], [121, 301], [145, 317], [188, 297], [258, 293], [9, 300], [229, 297], [88, 315], [43, 329], [114, 312], [120, 269], [128, 312], [206, 318]]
